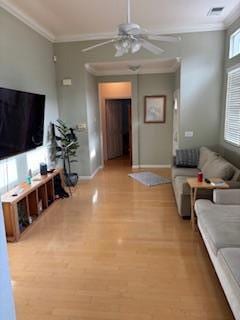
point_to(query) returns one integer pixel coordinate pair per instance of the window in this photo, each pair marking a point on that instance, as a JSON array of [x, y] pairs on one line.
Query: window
[[232, 115], [234, 44]]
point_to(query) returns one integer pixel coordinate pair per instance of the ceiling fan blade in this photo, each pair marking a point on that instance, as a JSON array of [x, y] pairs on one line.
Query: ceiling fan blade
[[159, 37], [99, 45], [151, 47]]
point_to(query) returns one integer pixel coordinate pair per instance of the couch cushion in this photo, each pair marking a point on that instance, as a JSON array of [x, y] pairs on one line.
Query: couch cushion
[[205, 154], [231, 258], [184, 172], [220, 224], [218, 168]]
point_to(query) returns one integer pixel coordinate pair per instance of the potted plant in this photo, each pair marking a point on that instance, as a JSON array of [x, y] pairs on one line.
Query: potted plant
[[66, 149]]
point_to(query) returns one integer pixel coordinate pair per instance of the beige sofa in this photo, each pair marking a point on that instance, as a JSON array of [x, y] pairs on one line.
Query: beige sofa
[[219, 224], [212, 165]]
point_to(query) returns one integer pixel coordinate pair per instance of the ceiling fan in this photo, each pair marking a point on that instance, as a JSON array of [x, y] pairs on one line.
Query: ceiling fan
[[131, 38]]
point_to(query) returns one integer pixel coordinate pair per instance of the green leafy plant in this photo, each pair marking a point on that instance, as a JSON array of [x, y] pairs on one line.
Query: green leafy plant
[[67, 145]]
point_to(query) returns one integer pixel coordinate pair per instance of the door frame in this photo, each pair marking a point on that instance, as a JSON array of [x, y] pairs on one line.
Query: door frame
[[176, 120], [103, 124]]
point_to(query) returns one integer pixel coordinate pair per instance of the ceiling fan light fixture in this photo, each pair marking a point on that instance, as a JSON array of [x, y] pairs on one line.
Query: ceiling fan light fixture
[[126, 44], [117, 45], [131, 38], [135, 46], [134, 68], [119, 53], [123, 46]]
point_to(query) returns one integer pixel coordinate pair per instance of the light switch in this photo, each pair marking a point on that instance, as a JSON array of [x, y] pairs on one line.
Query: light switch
[[82, 126], [67, 82], [188, 134]]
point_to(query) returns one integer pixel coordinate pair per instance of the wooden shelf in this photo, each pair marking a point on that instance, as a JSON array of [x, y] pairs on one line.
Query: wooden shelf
[[23, 205]]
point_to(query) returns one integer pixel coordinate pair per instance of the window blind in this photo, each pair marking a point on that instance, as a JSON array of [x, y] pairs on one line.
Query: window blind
[[232, 114], [234, 48]]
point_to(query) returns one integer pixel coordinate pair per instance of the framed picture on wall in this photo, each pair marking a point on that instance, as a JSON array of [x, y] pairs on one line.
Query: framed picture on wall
[[155, 109]]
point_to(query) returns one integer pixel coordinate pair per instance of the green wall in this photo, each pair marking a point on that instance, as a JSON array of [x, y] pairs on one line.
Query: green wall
[[147, 150], [155, 140], [229, 151], [202, 56], [26, 63]]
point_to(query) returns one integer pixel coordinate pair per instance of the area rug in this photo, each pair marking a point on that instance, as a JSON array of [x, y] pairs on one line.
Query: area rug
[[149, 179]]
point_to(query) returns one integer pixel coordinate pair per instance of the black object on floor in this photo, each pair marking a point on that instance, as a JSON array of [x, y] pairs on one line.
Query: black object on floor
[[59, 190]]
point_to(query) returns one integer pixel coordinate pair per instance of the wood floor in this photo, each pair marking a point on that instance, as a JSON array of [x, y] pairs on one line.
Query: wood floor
[[117, 250]]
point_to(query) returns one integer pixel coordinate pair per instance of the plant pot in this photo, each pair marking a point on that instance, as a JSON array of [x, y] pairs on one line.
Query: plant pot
[[71, 179]]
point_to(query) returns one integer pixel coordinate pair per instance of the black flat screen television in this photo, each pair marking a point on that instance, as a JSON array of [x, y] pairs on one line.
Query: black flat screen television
[[21, 121]]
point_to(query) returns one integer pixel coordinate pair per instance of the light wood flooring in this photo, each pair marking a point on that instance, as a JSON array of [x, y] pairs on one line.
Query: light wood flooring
[[117, 250]]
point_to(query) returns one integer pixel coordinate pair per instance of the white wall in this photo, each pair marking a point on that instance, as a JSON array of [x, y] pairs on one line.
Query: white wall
[[93, 116], [7, 308]]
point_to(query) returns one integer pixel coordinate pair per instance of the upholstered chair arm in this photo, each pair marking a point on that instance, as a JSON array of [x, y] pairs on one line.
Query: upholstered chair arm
[[230, 197]]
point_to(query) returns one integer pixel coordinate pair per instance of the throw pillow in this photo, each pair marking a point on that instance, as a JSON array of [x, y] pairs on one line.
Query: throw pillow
[[205, 155], [218, 168], [187, 158]]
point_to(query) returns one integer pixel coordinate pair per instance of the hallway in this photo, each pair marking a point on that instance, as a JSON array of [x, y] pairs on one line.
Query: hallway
[[117, 250]]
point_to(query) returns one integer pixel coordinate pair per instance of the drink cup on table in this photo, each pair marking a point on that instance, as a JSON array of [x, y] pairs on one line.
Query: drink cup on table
[[200, 177]]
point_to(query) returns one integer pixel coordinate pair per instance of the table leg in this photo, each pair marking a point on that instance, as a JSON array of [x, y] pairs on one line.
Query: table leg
[[193, 195], [192, 209]]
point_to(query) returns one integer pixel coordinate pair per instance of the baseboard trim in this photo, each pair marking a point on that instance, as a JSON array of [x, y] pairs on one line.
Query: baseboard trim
[[152, 166], [135, 167], [92, 175]]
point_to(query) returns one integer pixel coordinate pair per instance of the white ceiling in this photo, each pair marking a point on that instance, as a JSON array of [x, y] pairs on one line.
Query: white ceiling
[[70, 20], [122, 67]]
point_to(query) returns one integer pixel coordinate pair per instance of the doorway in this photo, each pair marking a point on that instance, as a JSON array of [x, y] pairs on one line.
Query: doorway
[[115, 103], [118, 129]]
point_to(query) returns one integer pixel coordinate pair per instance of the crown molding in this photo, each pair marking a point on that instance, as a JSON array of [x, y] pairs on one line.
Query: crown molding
[[232, 17], [143, 70], [118, 72], [175, 30], [108, 35], [123, 70], [27, 20], [90, 69]]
